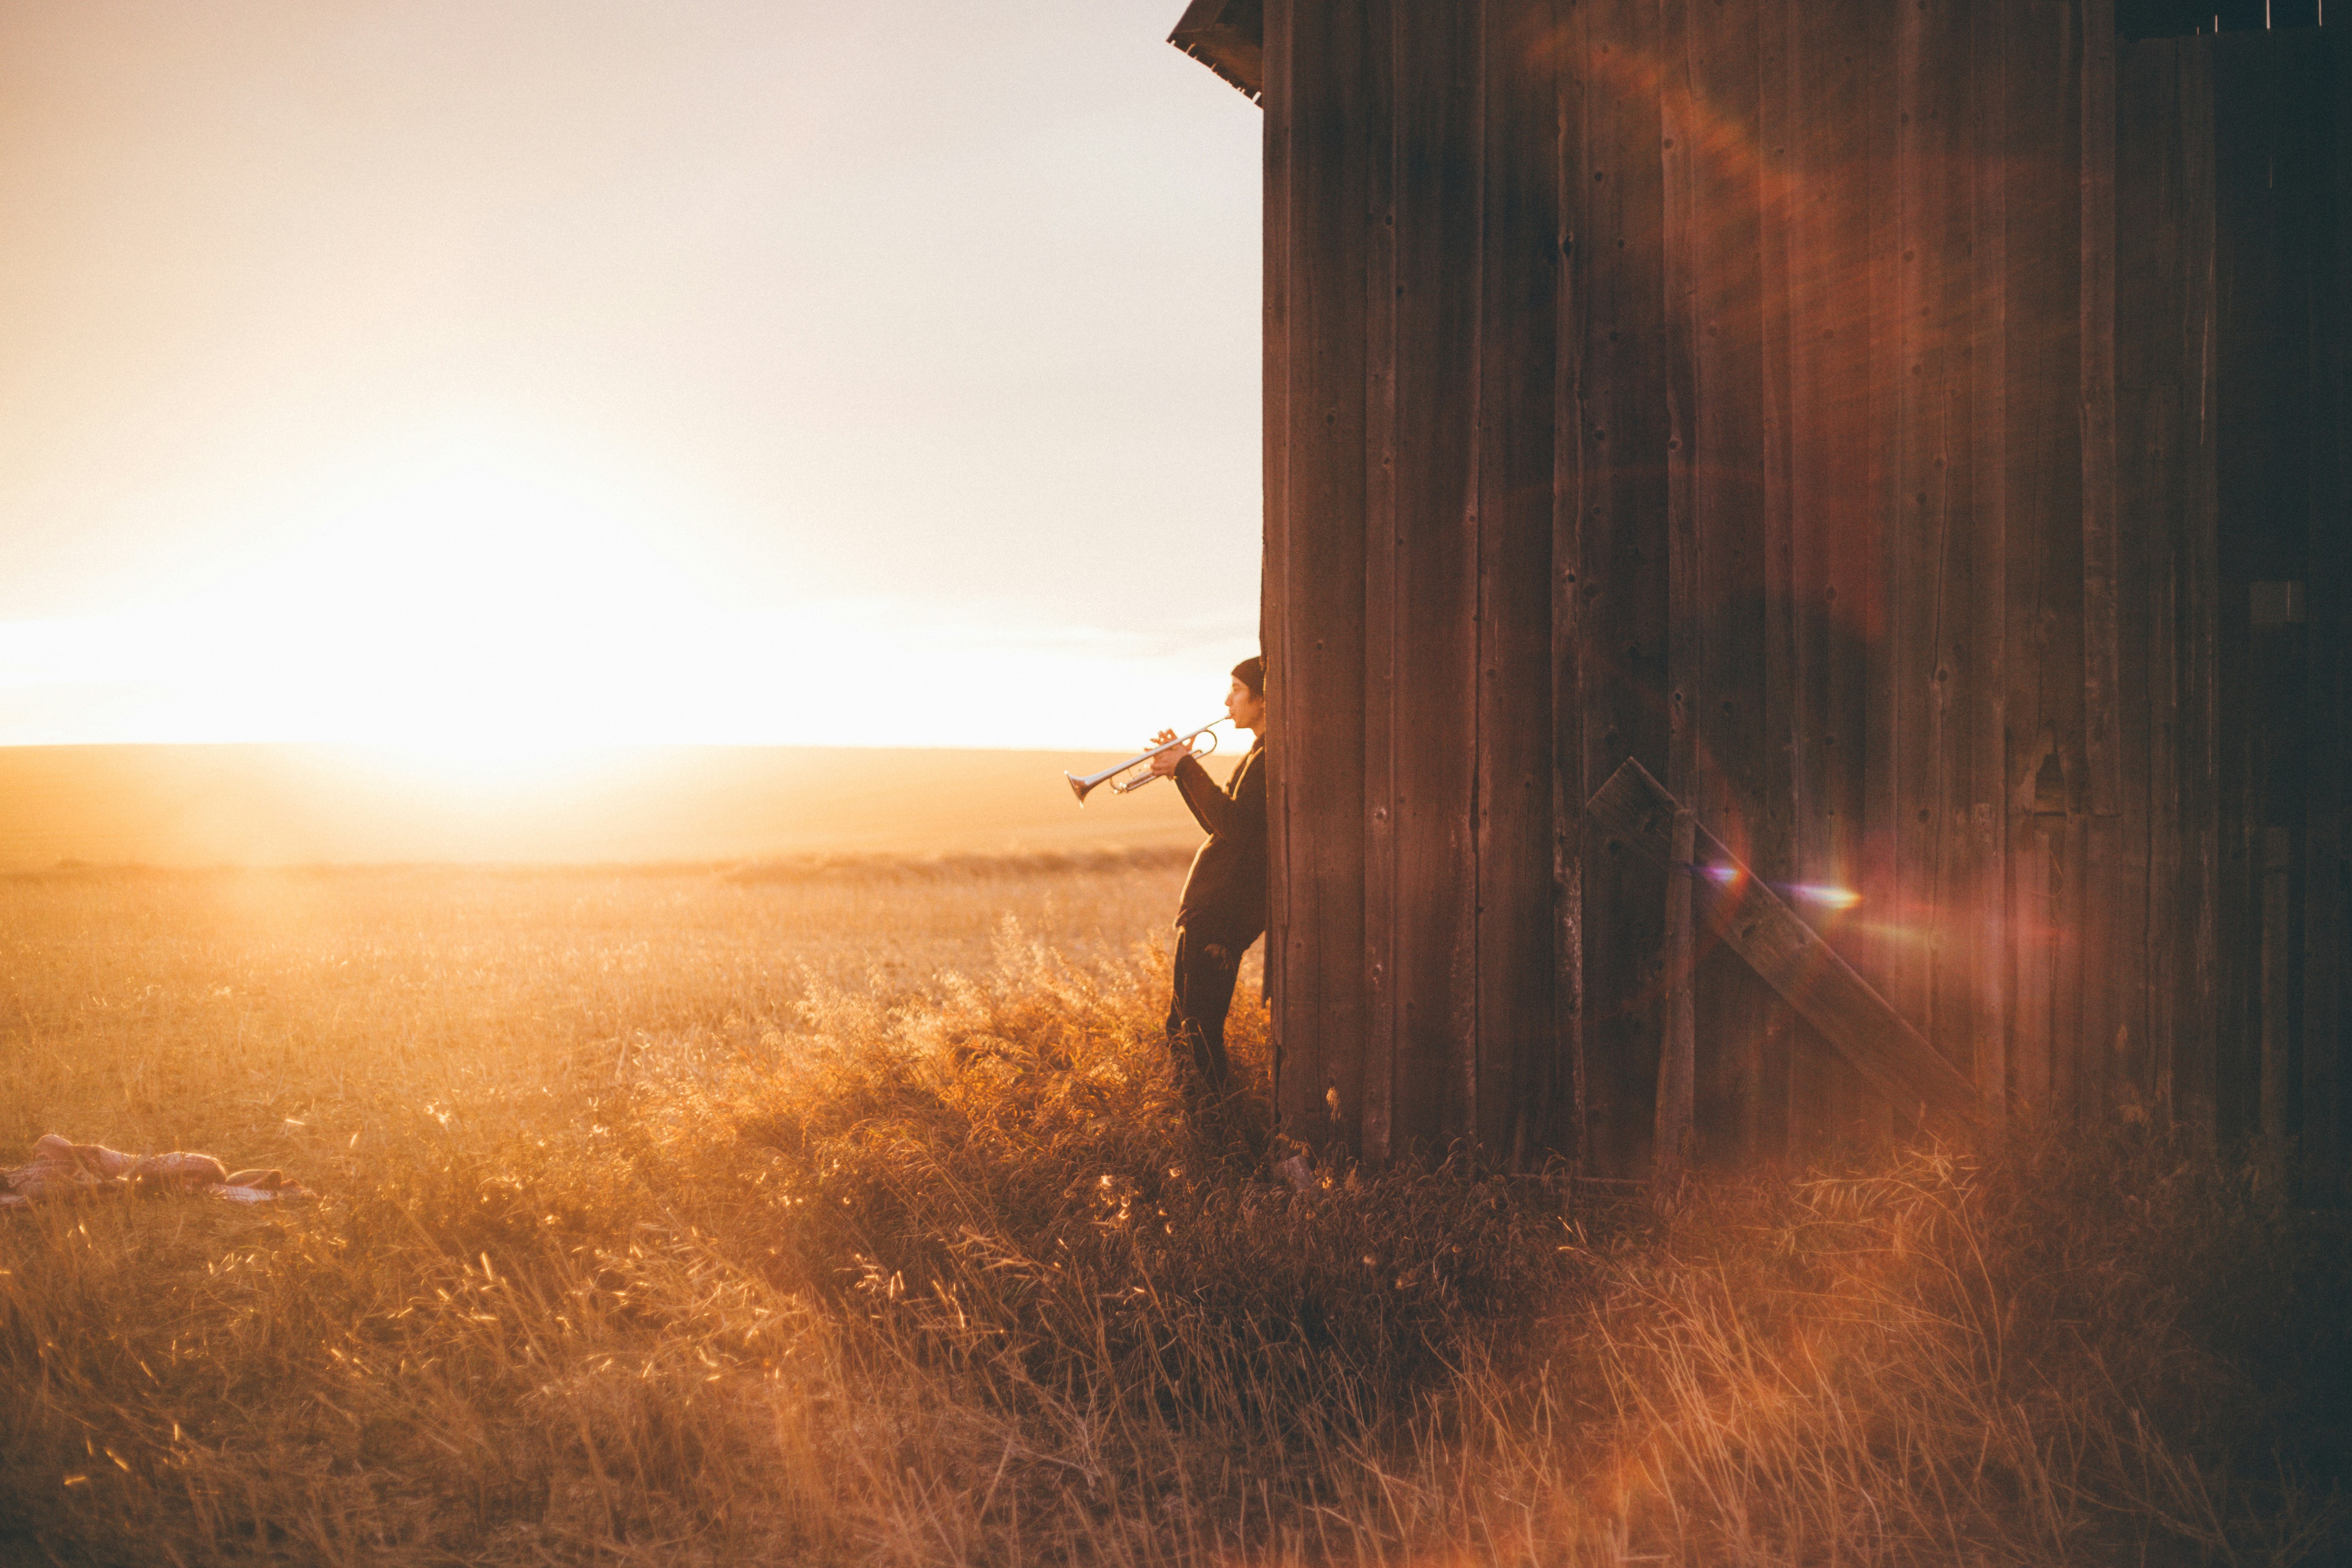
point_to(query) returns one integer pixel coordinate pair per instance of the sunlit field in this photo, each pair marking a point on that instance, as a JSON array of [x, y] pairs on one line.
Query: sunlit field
[[296, 805], [841, 1211]]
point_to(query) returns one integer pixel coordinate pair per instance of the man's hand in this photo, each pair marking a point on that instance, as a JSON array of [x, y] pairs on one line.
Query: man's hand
[[1164, 760]]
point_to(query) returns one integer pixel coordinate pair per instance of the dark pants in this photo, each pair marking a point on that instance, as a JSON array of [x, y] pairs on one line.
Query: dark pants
[[1206, 963]]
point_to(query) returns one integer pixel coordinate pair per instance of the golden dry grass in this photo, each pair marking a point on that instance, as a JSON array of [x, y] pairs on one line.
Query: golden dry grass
[[816, 1212]]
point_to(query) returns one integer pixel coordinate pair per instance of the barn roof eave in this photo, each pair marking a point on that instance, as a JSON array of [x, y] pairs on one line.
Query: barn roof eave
[[1229, 38]]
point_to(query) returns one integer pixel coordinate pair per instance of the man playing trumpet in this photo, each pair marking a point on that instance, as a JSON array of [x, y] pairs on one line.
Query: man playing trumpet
[[1224, 903]]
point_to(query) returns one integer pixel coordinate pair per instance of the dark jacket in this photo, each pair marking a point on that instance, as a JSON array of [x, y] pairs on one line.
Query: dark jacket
[[1226, 891]]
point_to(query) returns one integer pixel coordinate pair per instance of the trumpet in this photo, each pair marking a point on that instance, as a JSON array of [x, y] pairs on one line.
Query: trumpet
[[1117, 777]]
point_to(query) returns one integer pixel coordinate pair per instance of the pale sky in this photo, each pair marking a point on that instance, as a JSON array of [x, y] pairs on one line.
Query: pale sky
[[505, 373]]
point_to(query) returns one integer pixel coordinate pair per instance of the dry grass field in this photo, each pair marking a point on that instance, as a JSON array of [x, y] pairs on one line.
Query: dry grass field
[[838, 1211], [294, 806]]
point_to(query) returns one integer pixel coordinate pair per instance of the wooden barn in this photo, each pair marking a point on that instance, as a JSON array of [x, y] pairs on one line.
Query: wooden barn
[[1806, 551]]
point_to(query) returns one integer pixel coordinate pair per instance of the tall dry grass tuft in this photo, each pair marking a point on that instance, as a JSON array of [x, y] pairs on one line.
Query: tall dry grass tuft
[[733, 1267], [2093, 1351], [1113, 1327]]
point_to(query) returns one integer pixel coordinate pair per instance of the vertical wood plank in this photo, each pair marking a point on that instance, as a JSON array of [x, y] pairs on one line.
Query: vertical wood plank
[[2170, 891], [1955, 675], [1738, 787], [1622, 592], [1915, 513], [2101, 739], [2077, 1011], [1931, 636], [1832, 524], [2123, 844], [2150, 476], [2327, 886], [1318, 68], [2032, 924], [1764, 1087], [2113, 895], [2319, 1156], [1683, 675], [1385, 729], [1284, 941], [2242, 252], [1987, 685], [1682, 27], [1876, 32], [1677, 1049], [2250, 457], [1518, 336], [2302, 759], [2196, 1059], [2074, 901], [2277, 1124], [1567, 1105], [2043, 547], [1889, 967], [1438, 275], [1461, 810]]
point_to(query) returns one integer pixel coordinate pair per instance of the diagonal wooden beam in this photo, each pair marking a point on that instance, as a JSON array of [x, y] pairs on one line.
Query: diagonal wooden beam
[[1635, 809]]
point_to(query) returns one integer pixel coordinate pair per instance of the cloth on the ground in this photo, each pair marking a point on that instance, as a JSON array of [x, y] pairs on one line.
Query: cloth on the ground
[[61, 1168]]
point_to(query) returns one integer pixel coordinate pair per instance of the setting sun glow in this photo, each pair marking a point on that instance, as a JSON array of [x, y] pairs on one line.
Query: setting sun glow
[[487, 384]]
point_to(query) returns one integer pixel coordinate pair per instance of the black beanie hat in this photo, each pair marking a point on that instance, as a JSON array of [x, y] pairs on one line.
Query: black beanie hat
[[1251, 672]]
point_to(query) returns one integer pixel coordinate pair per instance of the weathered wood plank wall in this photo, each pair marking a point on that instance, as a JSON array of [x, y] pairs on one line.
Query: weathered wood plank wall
[[2278, 112], [1830, 405]]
